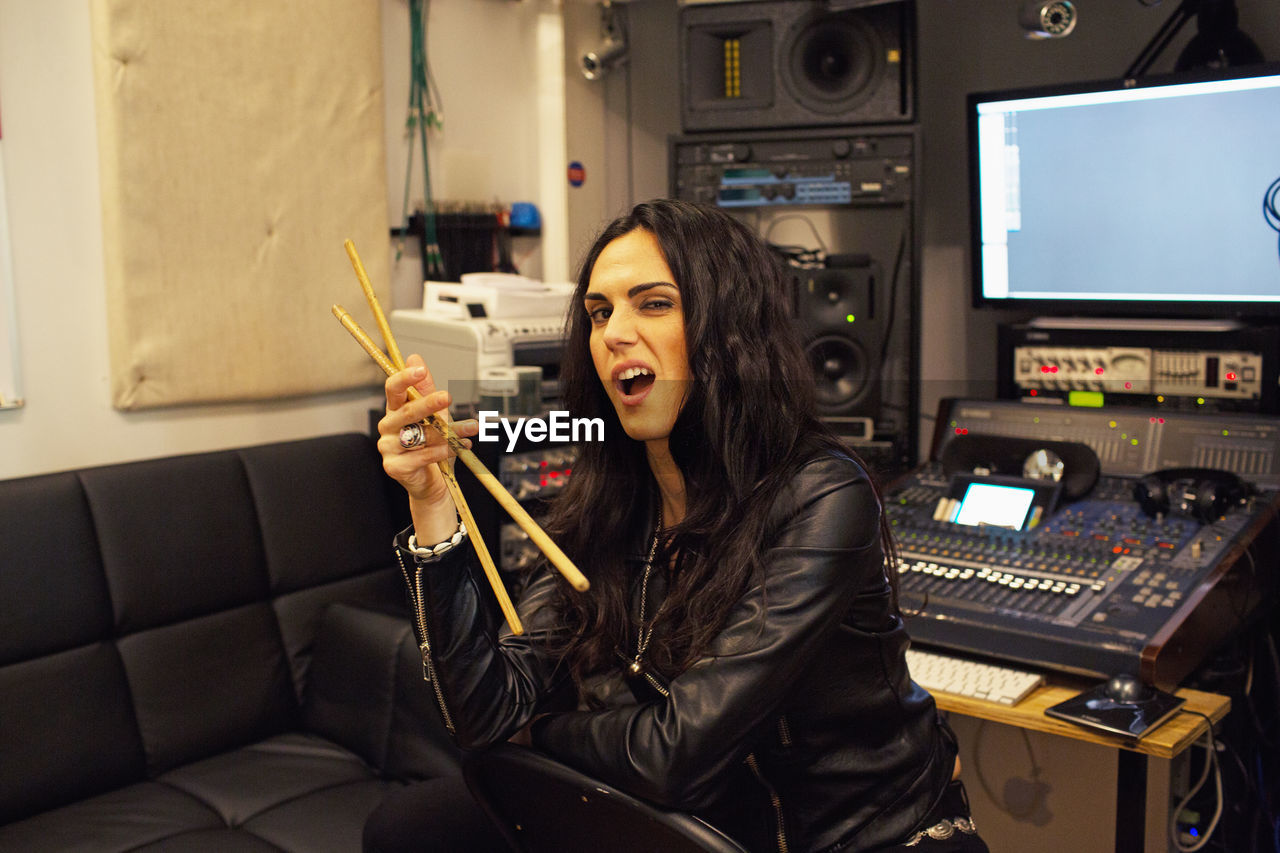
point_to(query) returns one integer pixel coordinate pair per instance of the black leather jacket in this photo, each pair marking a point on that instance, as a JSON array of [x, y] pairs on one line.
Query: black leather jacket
[[799, 729]]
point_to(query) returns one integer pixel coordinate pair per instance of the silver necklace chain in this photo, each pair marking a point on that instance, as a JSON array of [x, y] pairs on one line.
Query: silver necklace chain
[[643, 634]]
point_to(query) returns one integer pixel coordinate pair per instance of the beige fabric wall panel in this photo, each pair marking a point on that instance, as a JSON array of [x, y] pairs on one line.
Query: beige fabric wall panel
[[241, 142]]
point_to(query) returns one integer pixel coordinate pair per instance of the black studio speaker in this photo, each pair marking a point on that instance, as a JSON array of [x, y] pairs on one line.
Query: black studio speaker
[[796, 63], [843, 334]]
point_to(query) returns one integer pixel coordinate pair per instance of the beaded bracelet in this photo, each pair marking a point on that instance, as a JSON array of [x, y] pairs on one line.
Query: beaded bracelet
[[437, 551]]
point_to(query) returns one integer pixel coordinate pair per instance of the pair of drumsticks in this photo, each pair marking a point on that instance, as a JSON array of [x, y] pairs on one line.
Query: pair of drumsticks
[[391, 362]]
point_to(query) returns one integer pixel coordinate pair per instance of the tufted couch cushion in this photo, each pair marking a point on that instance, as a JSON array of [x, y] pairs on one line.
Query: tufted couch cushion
[[207, 652]]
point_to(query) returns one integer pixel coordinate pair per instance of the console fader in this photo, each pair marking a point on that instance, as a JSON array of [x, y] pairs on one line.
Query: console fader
[[1097, 587]]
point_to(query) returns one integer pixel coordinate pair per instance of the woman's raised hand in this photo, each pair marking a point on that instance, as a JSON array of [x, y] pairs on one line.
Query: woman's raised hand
[[416, 468]]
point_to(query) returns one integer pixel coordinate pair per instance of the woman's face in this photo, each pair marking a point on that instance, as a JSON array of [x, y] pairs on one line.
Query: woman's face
[[637, 334]]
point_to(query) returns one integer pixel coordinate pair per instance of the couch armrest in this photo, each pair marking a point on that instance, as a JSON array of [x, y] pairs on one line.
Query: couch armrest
[[365, 691]]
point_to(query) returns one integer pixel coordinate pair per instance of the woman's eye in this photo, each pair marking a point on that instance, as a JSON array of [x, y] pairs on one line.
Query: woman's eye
[[657, 304], [599, 315]]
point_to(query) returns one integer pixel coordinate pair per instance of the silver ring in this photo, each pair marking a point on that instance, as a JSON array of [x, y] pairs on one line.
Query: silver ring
[[412, 435]]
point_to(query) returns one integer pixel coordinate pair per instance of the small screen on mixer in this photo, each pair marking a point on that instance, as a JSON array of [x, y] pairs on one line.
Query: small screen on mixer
[[997, 506]]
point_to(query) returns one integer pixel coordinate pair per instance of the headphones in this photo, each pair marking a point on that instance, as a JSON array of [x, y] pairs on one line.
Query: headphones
[[1204, 494]]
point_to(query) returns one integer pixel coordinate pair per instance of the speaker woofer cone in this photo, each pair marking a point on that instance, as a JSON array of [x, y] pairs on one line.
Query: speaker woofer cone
[[840, 373], [833, 63], [836, 297]]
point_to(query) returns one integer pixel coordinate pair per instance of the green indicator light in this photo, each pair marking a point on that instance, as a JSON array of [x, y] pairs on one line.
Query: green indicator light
[[849, 318], [1089, 399], [1225, 433], [1134, 442], [1199, 401]]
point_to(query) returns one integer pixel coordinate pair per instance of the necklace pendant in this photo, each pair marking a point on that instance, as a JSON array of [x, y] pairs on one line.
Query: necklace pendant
[[636, 666]]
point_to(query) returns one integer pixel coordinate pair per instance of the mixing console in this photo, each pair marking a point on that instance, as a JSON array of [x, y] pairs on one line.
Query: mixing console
[[1097, 588]]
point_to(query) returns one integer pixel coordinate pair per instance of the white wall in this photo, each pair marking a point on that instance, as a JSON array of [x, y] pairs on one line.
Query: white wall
[[486, 55]]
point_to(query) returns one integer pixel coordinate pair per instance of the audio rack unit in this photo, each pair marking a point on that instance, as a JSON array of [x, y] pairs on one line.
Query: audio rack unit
[[1098, 586], [1218, 366], [846, 166]]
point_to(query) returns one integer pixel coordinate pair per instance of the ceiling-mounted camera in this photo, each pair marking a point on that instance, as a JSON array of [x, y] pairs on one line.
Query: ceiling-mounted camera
[[599, 60], [1047, 19], [612, 49]]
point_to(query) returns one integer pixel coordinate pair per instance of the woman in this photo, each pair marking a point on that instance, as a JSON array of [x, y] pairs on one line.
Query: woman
[[739, 654]]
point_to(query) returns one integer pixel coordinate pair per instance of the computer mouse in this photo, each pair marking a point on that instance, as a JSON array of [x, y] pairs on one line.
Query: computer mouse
[[1127, 688]]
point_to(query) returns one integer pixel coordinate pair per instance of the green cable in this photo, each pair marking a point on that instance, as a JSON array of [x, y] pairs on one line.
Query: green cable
[[422, 116]]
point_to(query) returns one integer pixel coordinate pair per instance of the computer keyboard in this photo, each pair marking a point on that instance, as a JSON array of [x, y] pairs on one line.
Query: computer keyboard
[[992, 682]]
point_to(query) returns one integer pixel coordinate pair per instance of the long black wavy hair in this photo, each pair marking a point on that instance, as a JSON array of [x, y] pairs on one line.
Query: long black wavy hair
[[747, 423]]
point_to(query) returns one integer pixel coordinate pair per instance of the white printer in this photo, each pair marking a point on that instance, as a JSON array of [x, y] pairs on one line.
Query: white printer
[[487, 320]]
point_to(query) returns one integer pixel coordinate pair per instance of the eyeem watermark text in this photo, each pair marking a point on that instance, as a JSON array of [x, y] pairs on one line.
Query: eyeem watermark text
[[557, 427]]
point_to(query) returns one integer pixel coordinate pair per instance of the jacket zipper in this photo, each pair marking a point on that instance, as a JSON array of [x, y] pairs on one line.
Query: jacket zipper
[[773, 798], [784, 731], [657, 685], [424, 648]]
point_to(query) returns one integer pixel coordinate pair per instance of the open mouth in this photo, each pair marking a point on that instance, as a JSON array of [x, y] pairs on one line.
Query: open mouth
[[635, 380]]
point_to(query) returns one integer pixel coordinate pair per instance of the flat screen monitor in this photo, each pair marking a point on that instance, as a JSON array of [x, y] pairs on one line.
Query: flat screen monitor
[[1155, 197]]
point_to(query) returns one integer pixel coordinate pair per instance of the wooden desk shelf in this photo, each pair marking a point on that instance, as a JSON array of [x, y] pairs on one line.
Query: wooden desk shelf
[[1168, 740]]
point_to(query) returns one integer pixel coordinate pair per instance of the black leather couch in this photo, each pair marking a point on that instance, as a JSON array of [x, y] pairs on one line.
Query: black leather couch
[[208, 652]]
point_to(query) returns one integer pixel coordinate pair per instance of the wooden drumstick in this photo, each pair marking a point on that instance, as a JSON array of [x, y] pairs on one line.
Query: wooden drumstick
[[393, 351], [446, 469], [372, 298], [518, 513]]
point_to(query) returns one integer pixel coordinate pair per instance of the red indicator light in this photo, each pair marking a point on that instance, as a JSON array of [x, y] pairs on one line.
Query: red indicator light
[[1153, 420], [1160, 420], [1128, 386], [1099, 371], [1044, 368], [1231, 377], [567, 471], [1053, 369], [1033, 392], [542, 481], [555, 474], [543, 463]]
